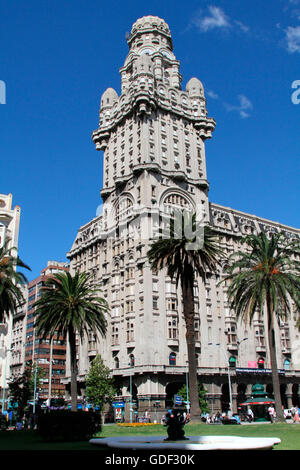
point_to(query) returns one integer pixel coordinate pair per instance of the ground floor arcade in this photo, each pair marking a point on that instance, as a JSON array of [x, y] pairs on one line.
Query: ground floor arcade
[[153, 392]]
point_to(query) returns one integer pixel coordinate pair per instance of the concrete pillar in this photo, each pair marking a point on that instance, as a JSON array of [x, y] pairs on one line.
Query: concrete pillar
[[234, 397]]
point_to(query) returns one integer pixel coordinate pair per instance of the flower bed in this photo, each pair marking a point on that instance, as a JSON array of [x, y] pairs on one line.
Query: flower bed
[[136, 425]]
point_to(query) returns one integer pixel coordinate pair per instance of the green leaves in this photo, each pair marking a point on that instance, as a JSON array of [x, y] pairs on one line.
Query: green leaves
[[70, 301], [186, 243], [10, 281], [68, 305], [99, 384], [266, 272], [187, 248]]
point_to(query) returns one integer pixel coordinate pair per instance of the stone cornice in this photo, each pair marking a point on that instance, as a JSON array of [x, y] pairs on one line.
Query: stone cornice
[[236, 222]]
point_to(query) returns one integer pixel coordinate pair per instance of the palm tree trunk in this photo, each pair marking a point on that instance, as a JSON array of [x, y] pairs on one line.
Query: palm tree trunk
[[73, 368], [275, 375], [187, 285]]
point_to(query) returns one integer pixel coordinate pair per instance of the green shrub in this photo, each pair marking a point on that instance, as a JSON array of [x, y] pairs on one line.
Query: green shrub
[[65, 425]]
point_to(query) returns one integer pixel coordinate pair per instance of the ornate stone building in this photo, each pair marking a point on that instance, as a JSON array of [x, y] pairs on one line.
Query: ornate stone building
[[153, 141], [12, 331]]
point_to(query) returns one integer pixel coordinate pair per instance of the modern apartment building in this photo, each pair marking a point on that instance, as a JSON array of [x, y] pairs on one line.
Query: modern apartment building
[[152, 138], [49, 355]]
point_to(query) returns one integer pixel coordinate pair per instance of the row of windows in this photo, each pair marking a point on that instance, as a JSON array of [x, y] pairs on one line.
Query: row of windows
[[172, 331], [131, 360], [171, 304]]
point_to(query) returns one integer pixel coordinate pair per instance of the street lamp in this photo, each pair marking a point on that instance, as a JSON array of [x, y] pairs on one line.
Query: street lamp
[[50, 371], [239, 342], [34, 393], [228, 369], [187, 387], [131, 364], [228, 373]]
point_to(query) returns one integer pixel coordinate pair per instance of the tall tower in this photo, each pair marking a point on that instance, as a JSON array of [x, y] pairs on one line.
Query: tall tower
[[153, 134], [152, 137], [153, 141]]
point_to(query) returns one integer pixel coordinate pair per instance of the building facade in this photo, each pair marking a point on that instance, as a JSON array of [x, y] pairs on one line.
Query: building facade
[[48, 355], [9, 233], [153, 141]]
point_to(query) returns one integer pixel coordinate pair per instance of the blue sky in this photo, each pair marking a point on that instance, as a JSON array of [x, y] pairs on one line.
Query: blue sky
[[58, 57]]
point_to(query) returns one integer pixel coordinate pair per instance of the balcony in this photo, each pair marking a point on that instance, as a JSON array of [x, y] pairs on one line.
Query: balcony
[[260, 348], [232, 346], [173, 342]]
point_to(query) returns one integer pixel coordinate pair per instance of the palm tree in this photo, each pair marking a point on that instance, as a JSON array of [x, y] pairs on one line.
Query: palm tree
[[186, 249], [69, 305], [10, 281], [265, 278]]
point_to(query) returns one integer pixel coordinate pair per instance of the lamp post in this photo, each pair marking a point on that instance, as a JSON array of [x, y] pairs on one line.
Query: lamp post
[[187, 387], [130, 403], [131, 364], [239, 342], [50, 372], [228, 369], [34, 392], [228, 373]]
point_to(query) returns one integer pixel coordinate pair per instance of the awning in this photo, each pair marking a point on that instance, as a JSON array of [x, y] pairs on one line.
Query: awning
[[258, 401]]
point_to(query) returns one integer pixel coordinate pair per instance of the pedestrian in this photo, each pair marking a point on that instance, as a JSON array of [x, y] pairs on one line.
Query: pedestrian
[[250, 415], [293, 413], [272, 413]]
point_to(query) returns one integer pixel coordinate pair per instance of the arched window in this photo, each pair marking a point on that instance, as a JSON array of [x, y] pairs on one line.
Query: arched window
[[261, 363], [123, 208], [232, 361], [131, 360], [176, 201], [287, 364], [172, 359]]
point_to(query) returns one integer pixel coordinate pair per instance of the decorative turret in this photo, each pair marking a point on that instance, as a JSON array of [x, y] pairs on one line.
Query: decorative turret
[[109, 98], [151, 30], [153, 124], [195, 88]]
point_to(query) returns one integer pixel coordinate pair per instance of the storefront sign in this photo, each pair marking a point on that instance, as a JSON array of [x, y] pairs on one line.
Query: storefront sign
[[252, 370]]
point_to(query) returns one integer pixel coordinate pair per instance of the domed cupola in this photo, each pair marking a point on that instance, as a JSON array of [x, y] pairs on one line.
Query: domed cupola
[[109, 98], [149, 30], [195, 88]]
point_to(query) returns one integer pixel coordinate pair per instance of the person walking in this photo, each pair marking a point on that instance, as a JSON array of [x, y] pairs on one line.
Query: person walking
[[293, 413], [250, 415], [272, 414]]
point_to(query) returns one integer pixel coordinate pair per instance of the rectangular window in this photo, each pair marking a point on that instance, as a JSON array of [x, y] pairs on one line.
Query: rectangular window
[[129, 306], [172, 304], [172, 329], [129, 332]]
